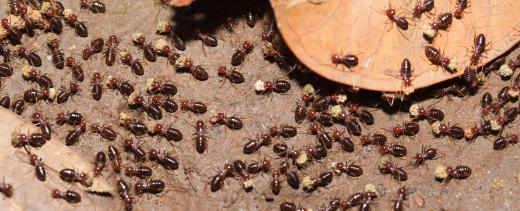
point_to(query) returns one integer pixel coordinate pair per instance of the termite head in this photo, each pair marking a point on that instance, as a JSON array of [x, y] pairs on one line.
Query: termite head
[[247, 45], [158, 128], [390, 12], [397, 130], [222, 70], [313, 128]]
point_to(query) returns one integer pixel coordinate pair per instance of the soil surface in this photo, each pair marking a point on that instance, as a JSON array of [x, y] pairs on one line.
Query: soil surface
[[186, 188]]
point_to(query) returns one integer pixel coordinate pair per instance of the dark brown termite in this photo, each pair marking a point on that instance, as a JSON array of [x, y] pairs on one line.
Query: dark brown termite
[[124, 192], [166, 103], [423, 156], [12, 32], [208, 40], [443, 21], [292, 176], [254, 144], [363, 114], [115, 158], [45, 127], [353, 126], [217, 181], [278, 86], [395, 150], [199, 72], [402, 195], [136, 127], [5, 70], [158, 87], [5, 101], [322, 136], [64, 93], [479, 49], [93, 5], [200, 137], [71, 118], [453, 131], [152, 186], [79, 26], [142, 172], [149, 53], [75, 68], [106, 132], [73, 135], [137, 151], [502, 142], [300, 113], [100, 161], [435, 57], [96, 46], [33, 95], [401, 22], [424, 7], [70, 175], [317, 152], [349, 60], [324, 118], [111, 50], [397, 172], [459, 172], [57, 54], [407, 128], [406, 72], [241, 169], [34, 160], [33, 139], [68, 195], [240, 53], [352, 170], [97, 86], [31, 56], [134, 64], [125, 88], [374, 139], [170, 133], [283, 130], [232, 75], [167, 161], [470, 77], [257, 166], [18, 106], [231, 122], [345, 142], [31, 74], [193, 106], [322, 180], [431, 114], [460, 6], [276, 183]]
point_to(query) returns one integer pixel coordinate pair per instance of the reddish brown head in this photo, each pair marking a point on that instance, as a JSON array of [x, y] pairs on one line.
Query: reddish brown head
[[313, 128], [158, 128], [56, 194], [247, 45], [222, 70], [72, 18]]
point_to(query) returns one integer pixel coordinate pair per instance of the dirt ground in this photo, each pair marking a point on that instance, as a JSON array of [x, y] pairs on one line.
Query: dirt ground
[[259, 112]]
